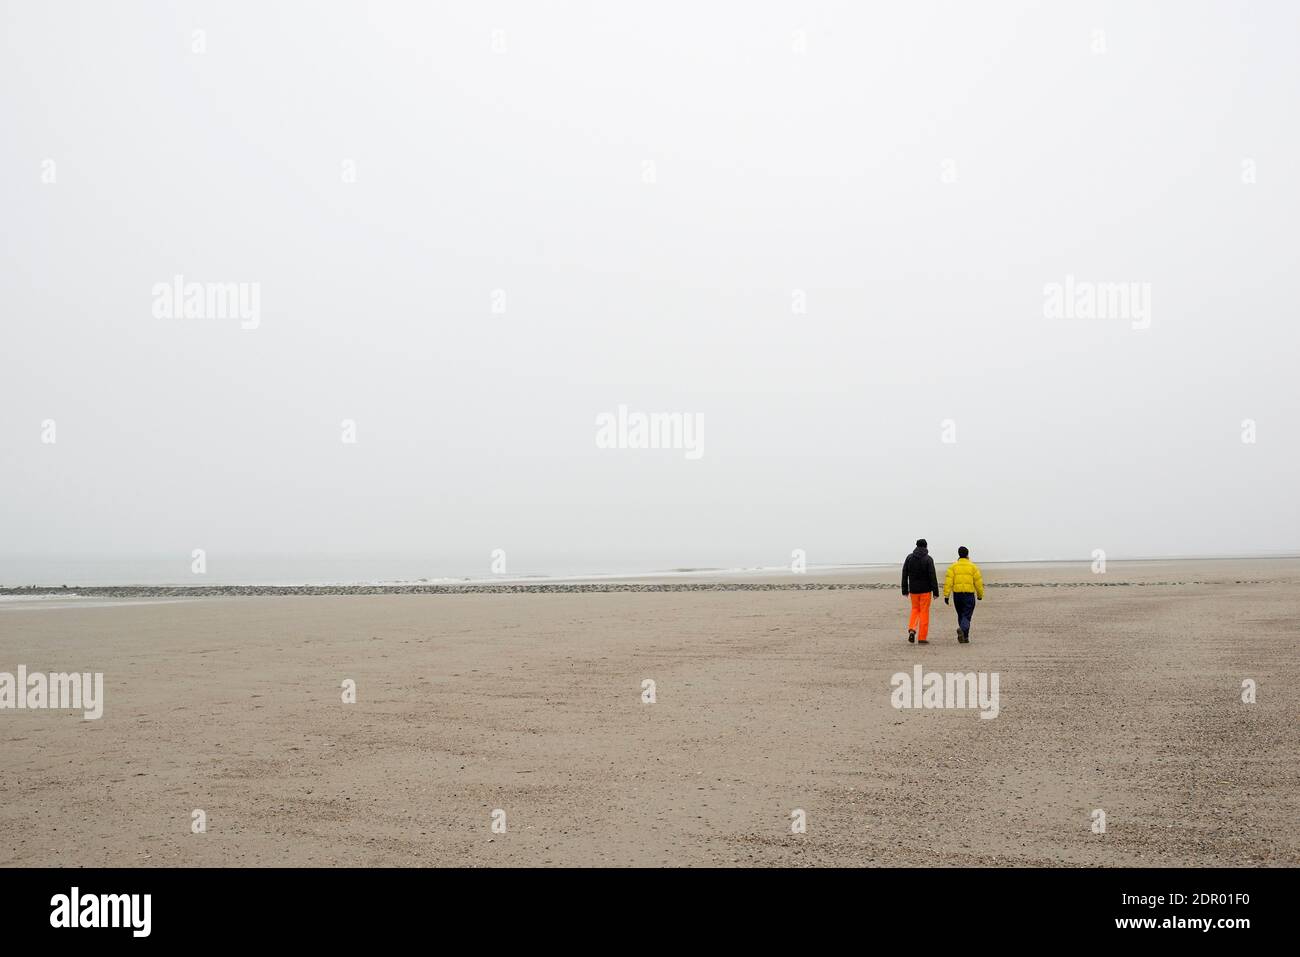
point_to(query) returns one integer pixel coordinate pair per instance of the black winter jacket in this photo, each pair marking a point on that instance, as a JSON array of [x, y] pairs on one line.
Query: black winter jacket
[[919, 575]]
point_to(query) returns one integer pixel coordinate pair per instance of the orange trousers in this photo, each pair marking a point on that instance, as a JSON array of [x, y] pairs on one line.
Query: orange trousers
[[920, 620]]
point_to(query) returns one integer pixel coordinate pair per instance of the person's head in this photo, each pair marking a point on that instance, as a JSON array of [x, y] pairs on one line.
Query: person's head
[[920, 543], [963, 552]]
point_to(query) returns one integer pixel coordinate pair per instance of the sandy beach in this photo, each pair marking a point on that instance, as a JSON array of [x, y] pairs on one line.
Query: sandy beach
[[1120, 692]]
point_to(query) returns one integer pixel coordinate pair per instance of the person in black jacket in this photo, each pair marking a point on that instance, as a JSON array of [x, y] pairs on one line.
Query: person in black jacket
[[921, 582]]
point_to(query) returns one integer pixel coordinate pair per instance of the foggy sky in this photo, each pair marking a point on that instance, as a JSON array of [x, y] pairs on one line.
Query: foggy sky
[[913, 174]]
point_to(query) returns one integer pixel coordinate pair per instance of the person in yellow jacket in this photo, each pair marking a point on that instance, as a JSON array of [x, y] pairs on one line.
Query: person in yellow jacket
[[965, 584]]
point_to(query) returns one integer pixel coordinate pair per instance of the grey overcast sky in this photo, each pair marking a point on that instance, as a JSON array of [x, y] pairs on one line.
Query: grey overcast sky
[[825, 228]]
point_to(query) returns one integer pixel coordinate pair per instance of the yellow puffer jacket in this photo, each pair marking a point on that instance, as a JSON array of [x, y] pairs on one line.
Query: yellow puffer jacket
[[963, 575]]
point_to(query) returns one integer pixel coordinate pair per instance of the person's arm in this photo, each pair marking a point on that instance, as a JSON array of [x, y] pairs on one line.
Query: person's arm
[[979, 583], [905, 561], [934, 580], [947, 583]]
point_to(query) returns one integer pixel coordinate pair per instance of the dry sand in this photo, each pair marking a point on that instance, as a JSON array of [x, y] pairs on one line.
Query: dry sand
[[1124, 698]]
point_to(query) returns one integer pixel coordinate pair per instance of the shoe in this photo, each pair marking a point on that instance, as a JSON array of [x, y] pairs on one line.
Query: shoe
[[911, 636], [959, 634], [922, 641], [964, 638]]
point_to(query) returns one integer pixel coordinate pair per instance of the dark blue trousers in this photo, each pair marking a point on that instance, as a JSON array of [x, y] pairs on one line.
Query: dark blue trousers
[[964, 602]]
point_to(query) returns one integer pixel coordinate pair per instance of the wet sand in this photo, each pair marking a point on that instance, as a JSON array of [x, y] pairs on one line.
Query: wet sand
[[1119, 692]]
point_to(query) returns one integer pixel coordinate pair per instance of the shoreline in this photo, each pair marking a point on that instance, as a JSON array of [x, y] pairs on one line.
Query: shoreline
[[151, 586], [556, 588]]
